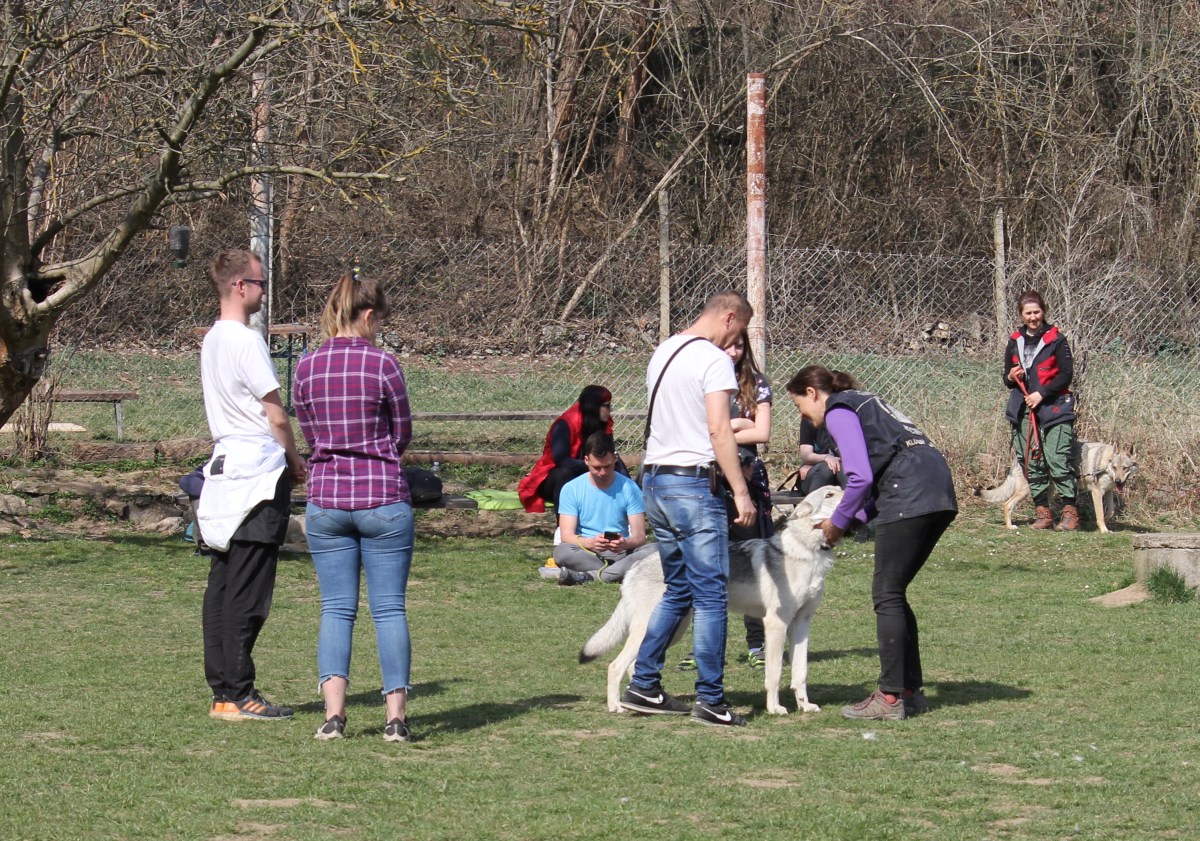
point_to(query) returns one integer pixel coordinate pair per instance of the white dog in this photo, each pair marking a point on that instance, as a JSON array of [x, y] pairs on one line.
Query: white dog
[[1102, 470], [780, 580]]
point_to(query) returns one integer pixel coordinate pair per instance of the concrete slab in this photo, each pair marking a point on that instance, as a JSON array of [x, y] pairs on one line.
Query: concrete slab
[[1178, 552]]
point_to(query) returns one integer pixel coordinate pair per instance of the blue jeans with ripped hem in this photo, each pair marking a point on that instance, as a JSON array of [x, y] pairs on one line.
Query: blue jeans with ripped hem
[[379, 542]]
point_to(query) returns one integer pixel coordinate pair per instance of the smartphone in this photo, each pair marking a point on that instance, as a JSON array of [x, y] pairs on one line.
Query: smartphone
[[612, 535]]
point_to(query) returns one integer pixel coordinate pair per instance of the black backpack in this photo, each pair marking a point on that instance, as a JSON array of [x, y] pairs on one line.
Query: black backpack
[[424, 485]]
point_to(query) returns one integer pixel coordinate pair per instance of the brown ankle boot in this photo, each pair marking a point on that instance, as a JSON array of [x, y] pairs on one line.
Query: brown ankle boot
[[1043, 519], [1069, 521]]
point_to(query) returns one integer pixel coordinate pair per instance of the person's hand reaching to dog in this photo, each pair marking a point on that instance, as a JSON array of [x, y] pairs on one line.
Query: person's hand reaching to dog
[[831, 532]]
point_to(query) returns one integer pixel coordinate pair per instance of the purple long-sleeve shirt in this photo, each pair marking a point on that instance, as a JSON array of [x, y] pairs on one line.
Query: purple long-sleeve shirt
[[353, 409], [847, 432]]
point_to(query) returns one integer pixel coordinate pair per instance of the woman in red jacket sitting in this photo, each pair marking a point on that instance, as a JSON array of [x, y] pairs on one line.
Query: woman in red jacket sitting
[[562, 455]]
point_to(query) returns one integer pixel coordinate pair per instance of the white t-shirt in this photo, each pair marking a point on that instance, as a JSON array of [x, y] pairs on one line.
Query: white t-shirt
[[679, 426], [237, 373]]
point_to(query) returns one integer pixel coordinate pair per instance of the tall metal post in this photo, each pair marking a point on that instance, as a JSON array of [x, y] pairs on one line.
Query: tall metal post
[[756, 211], [664, 265], [261, 212], [999, 275]]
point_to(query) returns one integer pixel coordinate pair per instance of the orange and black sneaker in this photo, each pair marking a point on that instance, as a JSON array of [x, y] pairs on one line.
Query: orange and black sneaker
[[255, 706], [225, 710]]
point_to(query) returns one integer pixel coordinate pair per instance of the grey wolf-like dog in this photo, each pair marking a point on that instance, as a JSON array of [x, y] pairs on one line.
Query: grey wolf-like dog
[[780, 580], [1101, 469]]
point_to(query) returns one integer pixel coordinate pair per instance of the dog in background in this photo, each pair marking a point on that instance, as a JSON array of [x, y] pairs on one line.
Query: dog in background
[[780, 579], [1101, 469]]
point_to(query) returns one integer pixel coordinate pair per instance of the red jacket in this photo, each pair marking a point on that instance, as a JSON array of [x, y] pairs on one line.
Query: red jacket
[[527, 489]]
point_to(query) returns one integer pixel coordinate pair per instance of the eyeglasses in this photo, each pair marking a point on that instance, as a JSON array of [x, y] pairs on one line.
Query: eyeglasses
[[257, 281]]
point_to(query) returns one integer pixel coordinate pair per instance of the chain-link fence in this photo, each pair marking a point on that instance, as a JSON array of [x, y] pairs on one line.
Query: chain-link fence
[[477, 326]]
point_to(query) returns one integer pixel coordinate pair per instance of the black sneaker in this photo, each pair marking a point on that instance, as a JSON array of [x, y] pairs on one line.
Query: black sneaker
[[569, 577], [255, 706], [333, 728], [652, 702], [915, 704], [716, 715], [397, 730]]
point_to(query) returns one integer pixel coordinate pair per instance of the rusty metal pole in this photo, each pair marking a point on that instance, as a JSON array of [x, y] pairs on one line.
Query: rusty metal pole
[[756, 212]]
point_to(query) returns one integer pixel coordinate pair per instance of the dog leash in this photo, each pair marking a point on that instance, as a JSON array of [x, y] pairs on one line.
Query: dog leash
[[1033, 442], [650, 409]]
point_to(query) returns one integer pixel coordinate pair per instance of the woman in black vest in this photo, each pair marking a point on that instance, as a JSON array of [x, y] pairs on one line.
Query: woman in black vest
[[895, 477], [1038, 371]]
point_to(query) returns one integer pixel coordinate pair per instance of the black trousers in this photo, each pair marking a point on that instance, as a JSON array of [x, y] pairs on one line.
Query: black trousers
[[901, 549], [552, 485], [764, 526], [819, 475], [241, 584]]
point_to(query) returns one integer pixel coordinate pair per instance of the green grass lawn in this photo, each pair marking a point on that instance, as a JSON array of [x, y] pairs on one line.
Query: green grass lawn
[[1053, 717]]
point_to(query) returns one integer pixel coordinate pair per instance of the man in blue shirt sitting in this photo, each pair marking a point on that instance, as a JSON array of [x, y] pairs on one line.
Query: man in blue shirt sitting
[[602, 519]]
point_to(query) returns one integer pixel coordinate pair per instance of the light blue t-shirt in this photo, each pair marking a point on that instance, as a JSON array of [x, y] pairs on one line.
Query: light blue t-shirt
[[598, 511]]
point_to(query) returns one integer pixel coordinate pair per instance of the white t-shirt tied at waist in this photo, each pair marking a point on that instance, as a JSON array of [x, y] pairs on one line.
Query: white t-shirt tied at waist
[[237, 373], [679, 425], [249, 472]]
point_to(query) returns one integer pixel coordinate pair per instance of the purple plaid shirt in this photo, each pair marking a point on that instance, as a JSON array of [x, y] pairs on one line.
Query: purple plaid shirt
[[353, 410]]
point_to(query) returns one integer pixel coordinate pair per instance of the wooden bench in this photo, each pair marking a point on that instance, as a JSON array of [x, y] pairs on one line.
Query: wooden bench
[[786, 497], [537, 415], [80, 395], [446, 500]]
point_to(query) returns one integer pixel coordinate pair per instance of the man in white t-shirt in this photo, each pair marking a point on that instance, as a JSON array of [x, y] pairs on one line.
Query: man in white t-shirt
[[690, 379], [602, 518], [246, 500]]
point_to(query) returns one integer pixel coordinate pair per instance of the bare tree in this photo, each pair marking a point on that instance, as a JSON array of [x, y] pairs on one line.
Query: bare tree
[[112, 114]]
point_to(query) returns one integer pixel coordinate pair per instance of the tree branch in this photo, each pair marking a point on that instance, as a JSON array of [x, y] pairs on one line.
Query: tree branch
[[81, 275], [726, 108]]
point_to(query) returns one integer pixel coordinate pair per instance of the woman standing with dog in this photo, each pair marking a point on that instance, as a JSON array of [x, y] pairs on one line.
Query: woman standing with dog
[[562, 454], [750, 416], [352, 404], [896, 478], [1037, 371]]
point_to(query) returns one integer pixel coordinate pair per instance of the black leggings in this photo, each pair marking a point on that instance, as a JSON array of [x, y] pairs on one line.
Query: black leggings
[[901, 549], [551, 487]]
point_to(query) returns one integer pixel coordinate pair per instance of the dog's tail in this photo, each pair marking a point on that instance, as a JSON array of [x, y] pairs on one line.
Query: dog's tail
[[611, 633], [1001, 492]]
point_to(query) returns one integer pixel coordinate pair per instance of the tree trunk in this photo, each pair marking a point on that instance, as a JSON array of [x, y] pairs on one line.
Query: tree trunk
[[631, 97], [24, 341], [24, 353]]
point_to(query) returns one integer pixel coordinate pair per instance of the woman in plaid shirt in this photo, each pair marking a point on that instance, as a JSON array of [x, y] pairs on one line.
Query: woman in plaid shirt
[[353, 409]]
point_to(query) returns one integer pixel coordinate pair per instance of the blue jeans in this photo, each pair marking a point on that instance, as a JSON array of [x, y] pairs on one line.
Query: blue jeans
[[693, 542], [380, 542]]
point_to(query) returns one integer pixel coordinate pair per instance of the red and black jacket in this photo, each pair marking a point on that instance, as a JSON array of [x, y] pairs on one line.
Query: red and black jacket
[[1049, 373], [527, 488]]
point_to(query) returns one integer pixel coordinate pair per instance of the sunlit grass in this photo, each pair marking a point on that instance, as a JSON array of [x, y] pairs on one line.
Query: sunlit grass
[[1053, 716]]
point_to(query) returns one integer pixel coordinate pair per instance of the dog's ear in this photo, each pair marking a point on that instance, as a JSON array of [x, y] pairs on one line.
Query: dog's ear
[[803, 511]]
